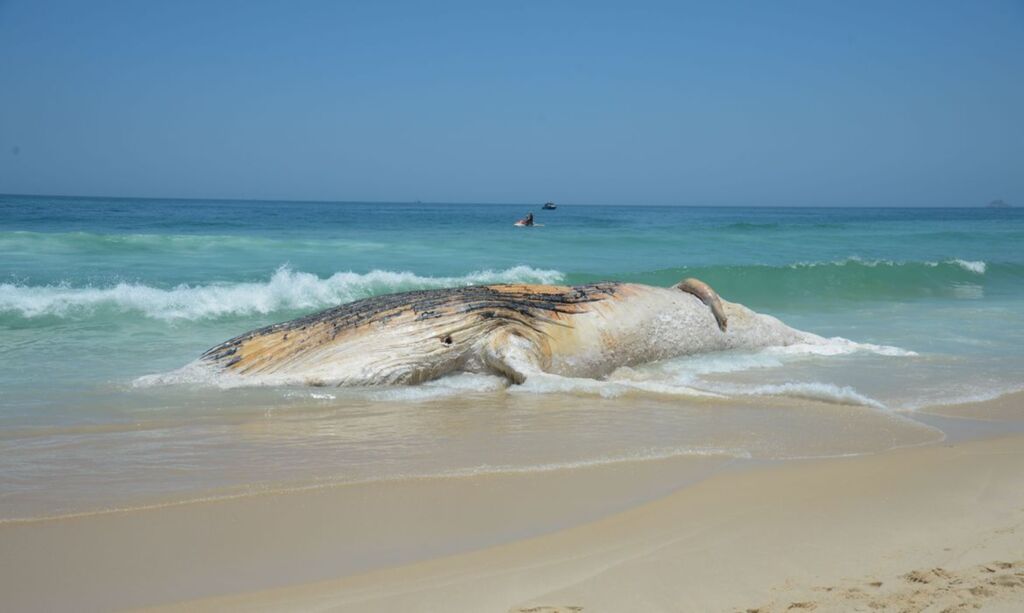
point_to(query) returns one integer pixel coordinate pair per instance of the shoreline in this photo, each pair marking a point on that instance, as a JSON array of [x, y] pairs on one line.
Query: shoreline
[[498, 542]]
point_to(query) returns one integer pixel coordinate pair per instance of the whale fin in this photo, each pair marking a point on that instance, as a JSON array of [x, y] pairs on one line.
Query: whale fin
[[511, 355], [708, 296]]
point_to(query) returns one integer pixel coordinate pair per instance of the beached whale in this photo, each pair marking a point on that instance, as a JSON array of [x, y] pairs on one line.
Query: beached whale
[[511, 330]]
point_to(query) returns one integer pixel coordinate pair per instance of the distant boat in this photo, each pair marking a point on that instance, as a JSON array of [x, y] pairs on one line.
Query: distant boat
[[998, 204], [549, 206]]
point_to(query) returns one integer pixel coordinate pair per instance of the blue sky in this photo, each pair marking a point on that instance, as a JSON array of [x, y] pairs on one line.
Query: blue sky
[[734, 103]]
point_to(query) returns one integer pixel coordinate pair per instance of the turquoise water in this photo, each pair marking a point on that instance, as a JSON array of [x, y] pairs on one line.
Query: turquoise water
[[99, 295]]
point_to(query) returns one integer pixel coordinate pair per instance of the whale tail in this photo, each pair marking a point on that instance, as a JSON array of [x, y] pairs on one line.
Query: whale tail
[[708, 296]]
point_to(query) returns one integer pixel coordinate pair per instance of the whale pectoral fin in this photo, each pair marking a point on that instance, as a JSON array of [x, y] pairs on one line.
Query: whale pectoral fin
[[708, 296], [512, 356]]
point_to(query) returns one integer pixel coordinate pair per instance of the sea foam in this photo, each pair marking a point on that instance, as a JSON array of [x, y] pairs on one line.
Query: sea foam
[[975, 266], [285, 290], [837, 345], [811, 390]]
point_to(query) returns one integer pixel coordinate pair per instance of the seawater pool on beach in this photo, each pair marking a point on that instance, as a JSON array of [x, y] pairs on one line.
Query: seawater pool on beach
[[103, 301]]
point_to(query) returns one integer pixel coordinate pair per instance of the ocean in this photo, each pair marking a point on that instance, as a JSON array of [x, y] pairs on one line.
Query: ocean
[[104, 300]]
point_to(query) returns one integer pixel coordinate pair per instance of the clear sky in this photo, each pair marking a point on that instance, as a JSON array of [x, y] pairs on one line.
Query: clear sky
[[712, 103]]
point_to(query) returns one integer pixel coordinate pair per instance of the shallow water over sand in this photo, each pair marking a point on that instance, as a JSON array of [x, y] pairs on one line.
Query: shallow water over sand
[[262, 440]]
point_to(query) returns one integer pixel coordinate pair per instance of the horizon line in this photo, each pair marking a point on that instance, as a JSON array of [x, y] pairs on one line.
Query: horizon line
[[471, 203]]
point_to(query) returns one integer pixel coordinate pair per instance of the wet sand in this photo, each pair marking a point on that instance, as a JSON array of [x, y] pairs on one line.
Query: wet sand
[[162, 554], [932, 526]]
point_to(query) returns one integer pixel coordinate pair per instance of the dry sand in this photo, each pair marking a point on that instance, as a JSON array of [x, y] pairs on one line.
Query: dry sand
[[930, 528]]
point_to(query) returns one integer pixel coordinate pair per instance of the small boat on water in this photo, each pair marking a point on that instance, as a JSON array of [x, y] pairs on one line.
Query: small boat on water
[[549, 206]]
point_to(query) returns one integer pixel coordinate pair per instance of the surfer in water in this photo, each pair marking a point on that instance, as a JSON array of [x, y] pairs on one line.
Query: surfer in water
[[526, 221]]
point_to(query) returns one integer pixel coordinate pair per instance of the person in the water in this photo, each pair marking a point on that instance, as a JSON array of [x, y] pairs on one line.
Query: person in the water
[[526, 221]]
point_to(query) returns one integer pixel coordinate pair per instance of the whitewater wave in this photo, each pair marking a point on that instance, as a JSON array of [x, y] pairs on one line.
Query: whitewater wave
[[977, 267], [837, 345], [690, 370], [792, 286], [545, 383], [285, 290], [695, 375], [809, 390]]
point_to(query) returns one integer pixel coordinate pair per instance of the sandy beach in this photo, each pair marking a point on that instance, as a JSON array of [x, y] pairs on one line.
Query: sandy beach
[[936, 527]]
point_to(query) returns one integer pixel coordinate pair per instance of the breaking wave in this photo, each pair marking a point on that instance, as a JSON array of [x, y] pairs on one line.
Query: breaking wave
[[798, 285], [285, 290]]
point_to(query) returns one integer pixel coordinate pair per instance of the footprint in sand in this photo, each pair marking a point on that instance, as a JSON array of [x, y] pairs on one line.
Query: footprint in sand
[[547, 609]]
